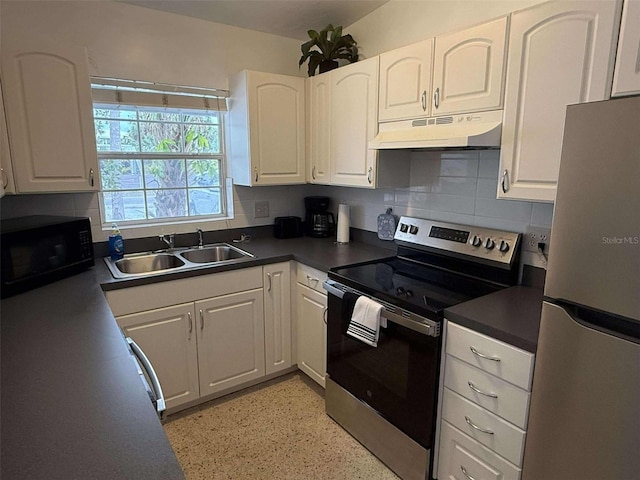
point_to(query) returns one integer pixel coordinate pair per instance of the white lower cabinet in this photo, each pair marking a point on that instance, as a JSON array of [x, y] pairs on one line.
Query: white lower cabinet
[[462, 458], [210, 334], [230, 340], [167, 336], [311, 323], [277, 316], [485, 404]]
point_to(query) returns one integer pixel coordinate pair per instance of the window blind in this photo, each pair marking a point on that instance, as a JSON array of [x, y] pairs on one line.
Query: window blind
[[148, 94]]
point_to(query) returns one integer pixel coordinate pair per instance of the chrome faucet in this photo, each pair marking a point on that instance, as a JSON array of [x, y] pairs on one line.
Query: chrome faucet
[[168, 239], [200, 243]]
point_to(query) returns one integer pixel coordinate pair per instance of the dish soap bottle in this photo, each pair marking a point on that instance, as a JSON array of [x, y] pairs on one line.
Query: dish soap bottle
[[116, 244]]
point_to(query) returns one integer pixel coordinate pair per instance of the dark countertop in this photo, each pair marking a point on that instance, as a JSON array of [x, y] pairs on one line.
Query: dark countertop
[[320, 253], [511, 315], [72, 403]]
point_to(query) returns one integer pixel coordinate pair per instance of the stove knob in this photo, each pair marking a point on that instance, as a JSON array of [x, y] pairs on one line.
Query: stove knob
[[404, 227], [476, 241], [413, 230], [503, 247], [409, 293], [400, 291], [489, 244]]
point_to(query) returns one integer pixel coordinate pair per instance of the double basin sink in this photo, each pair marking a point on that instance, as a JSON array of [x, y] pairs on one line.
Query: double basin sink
[[151, 263]]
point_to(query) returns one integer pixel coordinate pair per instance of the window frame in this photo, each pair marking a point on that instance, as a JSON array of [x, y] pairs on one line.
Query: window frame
[[225, 184]]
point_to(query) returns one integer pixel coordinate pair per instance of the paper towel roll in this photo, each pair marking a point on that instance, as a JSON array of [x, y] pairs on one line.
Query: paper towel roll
[[343, 223]]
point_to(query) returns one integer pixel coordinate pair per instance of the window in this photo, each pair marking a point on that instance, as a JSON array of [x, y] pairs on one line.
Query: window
[[158, 164]]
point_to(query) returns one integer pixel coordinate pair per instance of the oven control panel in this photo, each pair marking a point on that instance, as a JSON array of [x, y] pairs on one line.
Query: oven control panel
[[484, 243]]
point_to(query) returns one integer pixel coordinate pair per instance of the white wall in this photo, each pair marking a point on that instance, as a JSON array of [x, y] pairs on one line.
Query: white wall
[[126, 41], [131, 42], [402, 22], [137, 43]]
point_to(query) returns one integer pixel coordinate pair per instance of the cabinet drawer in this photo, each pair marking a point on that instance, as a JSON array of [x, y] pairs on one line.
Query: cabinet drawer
[[498, 358], [458, 452], [506, 440], [311, 277], [510, 402]]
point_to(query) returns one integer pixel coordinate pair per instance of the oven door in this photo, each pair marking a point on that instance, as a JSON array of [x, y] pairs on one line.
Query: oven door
[[398, 378]]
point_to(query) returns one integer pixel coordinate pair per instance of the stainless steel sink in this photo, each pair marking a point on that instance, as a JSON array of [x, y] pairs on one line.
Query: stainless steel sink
[[148, 263], [154, 263], [213, 253]]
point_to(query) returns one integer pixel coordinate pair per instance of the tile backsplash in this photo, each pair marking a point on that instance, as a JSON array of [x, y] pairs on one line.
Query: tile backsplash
[[457, 187]]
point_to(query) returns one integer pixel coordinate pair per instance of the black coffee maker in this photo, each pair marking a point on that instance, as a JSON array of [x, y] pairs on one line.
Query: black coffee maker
[[318, 221]]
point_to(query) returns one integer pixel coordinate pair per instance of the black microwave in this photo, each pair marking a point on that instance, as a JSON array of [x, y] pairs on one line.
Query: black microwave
[[41, 249]]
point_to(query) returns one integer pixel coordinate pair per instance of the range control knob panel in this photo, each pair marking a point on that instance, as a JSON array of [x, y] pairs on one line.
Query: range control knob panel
[[486, 243]]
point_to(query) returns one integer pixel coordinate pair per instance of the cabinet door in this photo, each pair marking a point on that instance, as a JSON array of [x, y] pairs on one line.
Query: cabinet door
[[626, 78], [354, 123], [230, 340], [6, 170], [468, 69], [405, 82], [277, 316], [276, 126], [559, 54], [319, 127], [312, 333], [168, 338], [49, 116]]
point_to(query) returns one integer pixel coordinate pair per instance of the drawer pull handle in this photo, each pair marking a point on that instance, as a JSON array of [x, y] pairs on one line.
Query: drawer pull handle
[[312, 279], [464, 472], [324, 315], [477, 390], [482, 355], [201, 321], [190, 324], [474, 426]]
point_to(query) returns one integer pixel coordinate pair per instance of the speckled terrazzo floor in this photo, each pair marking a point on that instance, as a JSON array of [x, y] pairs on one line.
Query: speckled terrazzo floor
[[277, 430]]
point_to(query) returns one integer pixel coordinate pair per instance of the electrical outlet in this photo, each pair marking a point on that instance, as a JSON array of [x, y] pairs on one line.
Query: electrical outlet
[[534, 236], [262, 209]]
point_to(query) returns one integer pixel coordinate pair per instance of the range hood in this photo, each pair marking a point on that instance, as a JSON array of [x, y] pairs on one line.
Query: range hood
[[471, 130]]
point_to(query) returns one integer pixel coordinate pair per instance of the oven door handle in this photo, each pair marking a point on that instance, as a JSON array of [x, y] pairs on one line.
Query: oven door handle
[[413, 322], [146, 364]]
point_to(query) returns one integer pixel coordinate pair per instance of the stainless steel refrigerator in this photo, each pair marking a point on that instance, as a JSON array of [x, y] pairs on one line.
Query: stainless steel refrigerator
[[584, 421]]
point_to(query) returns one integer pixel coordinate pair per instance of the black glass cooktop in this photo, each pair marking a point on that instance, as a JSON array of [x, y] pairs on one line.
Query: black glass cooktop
[[419, 288]]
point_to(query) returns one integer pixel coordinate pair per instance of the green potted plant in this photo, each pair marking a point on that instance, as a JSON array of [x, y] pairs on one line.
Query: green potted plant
[[330, 46]]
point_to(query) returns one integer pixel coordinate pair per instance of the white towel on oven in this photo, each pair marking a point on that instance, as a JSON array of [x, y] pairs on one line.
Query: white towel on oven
[[366, 321]]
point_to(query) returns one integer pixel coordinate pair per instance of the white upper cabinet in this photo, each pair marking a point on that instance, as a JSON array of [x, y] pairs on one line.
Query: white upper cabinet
[[354, 123], [318, 128], [560, 53], [49, 115], [468, 69], [626, 77], [405, 82], [267, 141], [6, 170]]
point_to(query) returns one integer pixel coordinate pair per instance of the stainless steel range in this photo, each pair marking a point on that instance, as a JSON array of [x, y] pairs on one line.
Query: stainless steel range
[[385, 396]]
